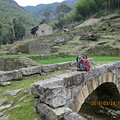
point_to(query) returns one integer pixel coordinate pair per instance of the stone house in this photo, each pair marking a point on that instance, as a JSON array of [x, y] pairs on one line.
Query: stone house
[[42, 29]]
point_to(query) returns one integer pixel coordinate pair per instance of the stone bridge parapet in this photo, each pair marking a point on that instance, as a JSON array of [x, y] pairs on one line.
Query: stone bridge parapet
[[61, 97]]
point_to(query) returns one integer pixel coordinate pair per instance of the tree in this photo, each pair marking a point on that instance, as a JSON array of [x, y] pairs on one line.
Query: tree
[[82, 8], [1, 37], [42, 21], [16, 31], [20, 31], [62, 10], [46, 14], [12, 23]]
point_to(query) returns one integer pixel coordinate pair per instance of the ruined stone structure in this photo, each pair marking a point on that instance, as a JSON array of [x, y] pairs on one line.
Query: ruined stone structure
[[41, 30], [61, 98], [44, 29], [37, 46]]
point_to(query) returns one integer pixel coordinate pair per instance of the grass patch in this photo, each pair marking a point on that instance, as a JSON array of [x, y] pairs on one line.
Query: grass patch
[[96, 60], [103, 60], [26, 111], [57, 60], [23, 55]]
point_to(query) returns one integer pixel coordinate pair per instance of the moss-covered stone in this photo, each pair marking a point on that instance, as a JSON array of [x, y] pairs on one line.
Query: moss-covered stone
[[7, 64]]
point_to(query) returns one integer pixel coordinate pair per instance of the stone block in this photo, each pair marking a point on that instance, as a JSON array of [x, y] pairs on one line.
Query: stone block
[[114, 79], [5, 117], [67, 80], [73, 63], [69, 93], [90, 87], [62, 111], [94, 72], [110, 76], [13, 92], [107, 77], [5, 84], [54, 96], [49, 113], [32, 70], [2, 101], [77, 102], [49, 93], [74, 116], [69, 102], [49, 68], [94, 83], [75, 90], [73, 78], [80, 79], [104, 78], [112, 66], [81, 98], [10, 75], [100, 81], [64, 65], [102, 69], [85, 91], [116, 64]]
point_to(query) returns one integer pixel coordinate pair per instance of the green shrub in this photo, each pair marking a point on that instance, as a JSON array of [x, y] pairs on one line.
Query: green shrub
[[115, 17], [118, 12], [99, 14], [23, 48], [53, 24]]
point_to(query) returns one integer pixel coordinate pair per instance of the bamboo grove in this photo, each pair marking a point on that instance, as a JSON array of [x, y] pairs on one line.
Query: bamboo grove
[[87, 8]]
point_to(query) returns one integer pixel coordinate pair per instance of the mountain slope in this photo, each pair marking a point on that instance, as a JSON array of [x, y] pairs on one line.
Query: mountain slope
[[38, 10], [10, 10]]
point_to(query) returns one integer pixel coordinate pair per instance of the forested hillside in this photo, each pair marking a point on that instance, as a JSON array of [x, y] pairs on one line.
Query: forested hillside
[[87, 8], [10, 11], [84, 9], [39, 10]]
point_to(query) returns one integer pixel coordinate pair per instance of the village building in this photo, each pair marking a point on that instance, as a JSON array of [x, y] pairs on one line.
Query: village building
[[42, 29]]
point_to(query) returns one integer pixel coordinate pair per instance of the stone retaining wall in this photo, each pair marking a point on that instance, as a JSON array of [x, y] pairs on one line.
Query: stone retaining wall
[[51, 56], [41, 70], [7, 64], [14, 63]]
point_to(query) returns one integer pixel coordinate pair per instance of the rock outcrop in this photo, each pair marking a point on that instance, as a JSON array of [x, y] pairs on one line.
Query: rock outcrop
[[90, 36]]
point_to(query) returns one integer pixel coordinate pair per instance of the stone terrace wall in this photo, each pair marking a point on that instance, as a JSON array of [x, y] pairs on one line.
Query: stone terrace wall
[[51, 56], [7, 64], [36, 47], [41, 70]]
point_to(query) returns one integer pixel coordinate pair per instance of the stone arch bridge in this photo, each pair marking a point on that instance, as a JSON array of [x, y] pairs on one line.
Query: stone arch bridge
[[60, 98]]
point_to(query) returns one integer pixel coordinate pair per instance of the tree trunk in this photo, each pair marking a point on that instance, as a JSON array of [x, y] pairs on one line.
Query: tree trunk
[[12, 27]]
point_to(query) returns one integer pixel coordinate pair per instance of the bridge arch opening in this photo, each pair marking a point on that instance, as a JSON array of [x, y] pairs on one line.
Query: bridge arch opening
[[102, 104]]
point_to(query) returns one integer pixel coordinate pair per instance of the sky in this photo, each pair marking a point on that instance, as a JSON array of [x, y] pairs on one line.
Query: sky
[[35, 2]]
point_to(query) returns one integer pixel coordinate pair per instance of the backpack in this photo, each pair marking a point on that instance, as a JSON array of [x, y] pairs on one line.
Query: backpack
[[82, 63]]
